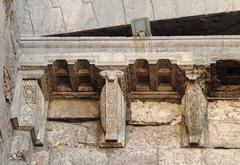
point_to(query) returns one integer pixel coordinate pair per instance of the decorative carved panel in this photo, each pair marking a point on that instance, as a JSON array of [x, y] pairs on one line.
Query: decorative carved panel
[[29, 109], [195, 110], [113, 110]]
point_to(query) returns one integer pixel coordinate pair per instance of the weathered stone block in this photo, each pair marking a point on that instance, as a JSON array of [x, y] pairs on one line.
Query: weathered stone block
[[73, 135], [71, 109], [3, 155], [133, 156], [78, 157], [21, 146], [40, 158], [223, 134], [154, 113], [116, 8], [17, 162], [191, 7], [153, 137], [49, 15], [220, 156], [224, 110], [137, 9], [165, 9], [179, 156]]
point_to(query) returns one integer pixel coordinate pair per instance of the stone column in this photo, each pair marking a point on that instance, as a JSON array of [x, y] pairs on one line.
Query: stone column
[[194, 110], [113, 110]]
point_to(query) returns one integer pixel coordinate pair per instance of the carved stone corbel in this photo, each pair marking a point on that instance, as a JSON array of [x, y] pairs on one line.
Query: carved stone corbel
[[30, 103], [194, 111], [113, 110]]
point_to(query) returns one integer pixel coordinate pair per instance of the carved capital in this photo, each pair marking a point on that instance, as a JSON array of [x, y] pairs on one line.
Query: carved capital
[[112, 75], [113, 110], [194, 72]]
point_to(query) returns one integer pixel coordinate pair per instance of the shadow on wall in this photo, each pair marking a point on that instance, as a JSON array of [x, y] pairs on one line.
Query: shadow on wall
[[214, 24]]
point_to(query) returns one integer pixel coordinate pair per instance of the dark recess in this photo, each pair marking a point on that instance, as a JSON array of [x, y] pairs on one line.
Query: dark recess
[[214, 24]]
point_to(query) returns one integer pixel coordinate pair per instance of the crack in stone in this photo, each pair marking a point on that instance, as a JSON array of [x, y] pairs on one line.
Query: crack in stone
[[153, 11], [95, 14], [124, 11], [30, 17], [61, 11]]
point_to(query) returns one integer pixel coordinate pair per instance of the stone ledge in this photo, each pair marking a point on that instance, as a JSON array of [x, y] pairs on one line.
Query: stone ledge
[[123, 51]]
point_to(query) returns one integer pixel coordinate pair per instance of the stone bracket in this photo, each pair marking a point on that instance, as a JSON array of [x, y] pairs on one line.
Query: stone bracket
[[113, 111], [194, 111], [30, 103]]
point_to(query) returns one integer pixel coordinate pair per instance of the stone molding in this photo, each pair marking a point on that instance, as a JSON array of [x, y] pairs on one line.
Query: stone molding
[[201, 50]]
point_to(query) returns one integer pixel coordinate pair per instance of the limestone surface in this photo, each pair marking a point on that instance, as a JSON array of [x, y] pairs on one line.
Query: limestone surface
[[224, 110], [77, 135], [153, 137], [73, 109], [154, 113], [76, 156], [179, 156], [40, 158], [223, 134]]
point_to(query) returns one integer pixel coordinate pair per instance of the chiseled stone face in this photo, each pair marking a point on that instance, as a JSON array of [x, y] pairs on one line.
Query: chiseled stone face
[[21, 148], [220, 156], [77, 156], [153, 137], [40, 158], [224, 110], [179, 156], [198, 156], [223, 124], [223, 134], [154, 113], [73, 109], [78, 135], [133, 156]]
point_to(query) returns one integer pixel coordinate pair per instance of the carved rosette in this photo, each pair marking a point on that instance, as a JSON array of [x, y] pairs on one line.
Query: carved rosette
[[195, 108], [113, 110]]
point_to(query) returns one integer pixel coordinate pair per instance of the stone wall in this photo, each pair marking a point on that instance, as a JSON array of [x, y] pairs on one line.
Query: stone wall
[[8, 60], [153, 136], [155, 130], [61, 16]]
